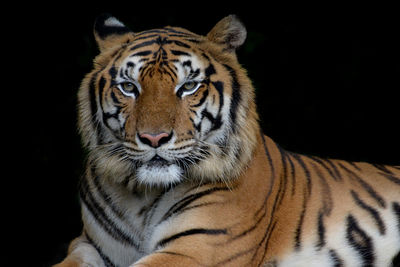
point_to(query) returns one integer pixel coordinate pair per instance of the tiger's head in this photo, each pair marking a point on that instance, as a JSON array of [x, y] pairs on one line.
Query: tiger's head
[[165, 106]]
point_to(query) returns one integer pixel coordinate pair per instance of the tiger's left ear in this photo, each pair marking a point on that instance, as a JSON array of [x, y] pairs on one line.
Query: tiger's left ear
[[110, 32], [230, 32]]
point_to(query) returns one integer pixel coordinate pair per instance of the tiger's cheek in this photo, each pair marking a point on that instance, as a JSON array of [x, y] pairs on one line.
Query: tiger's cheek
[[130, 123], [184, 127]]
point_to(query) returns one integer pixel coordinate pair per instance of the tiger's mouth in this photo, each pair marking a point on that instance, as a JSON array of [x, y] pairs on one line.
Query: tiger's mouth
[[159, 172], [158, 162], [166, 165]]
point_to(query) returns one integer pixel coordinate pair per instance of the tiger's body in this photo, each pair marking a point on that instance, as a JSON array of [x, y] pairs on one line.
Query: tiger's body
[[179, 173]]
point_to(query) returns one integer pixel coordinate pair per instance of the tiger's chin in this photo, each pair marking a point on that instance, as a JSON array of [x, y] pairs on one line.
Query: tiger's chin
[[158, 173]]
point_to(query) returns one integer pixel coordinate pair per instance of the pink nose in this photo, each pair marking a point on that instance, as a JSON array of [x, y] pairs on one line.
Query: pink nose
[[155, 140]]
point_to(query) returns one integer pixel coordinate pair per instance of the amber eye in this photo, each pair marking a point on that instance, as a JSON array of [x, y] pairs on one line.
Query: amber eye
[[189, 85], [188, 88], [129, 89]]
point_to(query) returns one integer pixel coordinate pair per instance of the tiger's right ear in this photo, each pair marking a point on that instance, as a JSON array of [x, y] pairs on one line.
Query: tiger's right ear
[[110, 32]]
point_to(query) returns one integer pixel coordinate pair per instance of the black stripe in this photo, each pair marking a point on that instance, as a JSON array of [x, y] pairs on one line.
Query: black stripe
[[283, 160], [284, 179], [305, 169], [179, 43], [113, 72], [396, 210], [141, 53], [157, 31], [169, 29], [102, 84], [210, 70], [193, 74], [195, 231], [107, 261], [215, 122], [271, 177], [321, 230], [335, 169], [250, 229], [366, 186], [148, 43], [183, 203], [360, 241], [354, 165], [177, 254], [322, 163], [145, 37], [179, 53], [382, 168], [219, 86], [373, 212], [105, 197], [266, 238], [93, 105], [391, 178], [297, 237], [171, 71], [337, 261], [236, 96], [101, 217], [293, 174], [281, 192], [192, 40], [117, 102], [267, 152], [326, 191], [231, 258], [202, 100], [151, 209]]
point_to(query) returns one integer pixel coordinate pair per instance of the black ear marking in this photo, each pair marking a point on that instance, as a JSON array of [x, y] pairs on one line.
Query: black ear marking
[[110, 32], [106, 25]]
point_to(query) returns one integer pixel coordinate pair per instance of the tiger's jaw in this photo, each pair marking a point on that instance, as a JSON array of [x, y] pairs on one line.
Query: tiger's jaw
[[158, 172]]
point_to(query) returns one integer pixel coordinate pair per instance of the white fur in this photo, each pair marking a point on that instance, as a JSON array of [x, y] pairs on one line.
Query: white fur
[[155, 176], [87, 255], [113, 22]]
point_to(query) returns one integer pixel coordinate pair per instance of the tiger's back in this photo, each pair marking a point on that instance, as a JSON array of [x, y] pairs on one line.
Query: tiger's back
[[179, 173], [347, 213]]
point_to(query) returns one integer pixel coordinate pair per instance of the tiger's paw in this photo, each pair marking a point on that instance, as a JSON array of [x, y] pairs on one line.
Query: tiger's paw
[[70, 263], [77, 263]]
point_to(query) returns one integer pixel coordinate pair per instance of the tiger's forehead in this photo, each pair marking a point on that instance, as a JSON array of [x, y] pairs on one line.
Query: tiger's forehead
[[168, 51], [176, 40]]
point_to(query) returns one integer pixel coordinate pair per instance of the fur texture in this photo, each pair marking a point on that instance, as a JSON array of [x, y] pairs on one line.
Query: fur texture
[[179, 173]]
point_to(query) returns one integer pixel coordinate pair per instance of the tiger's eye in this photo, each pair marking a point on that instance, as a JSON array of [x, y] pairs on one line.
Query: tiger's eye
[[128, 87], [189, 85]]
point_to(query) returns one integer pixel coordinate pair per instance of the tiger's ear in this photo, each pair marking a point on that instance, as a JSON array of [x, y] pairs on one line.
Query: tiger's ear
[[230, 32], [110, 32]]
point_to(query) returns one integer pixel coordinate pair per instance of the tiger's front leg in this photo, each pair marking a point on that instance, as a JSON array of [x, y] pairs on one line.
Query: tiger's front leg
[[81, 254], [167, 258]]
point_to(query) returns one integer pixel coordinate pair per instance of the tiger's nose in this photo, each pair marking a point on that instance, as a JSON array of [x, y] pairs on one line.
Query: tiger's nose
[[155, 140]]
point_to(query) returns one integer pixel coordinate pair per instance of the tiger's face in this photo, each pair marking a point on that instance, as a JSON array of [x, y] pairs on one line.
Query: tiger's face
[[166, 105]]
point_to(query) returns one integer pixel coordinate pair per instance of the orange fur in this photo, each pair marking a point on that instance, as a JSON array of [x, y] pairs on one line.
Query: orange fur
[[265, 204]]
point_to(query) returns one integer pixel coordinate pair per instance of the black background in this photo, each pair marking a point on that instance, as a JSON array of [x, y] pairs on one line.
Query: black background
[[326, 77]]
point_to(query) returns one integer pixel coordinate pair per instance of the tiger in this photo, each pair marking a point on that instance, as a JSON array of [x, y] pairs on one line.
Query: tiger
[[179, 172]]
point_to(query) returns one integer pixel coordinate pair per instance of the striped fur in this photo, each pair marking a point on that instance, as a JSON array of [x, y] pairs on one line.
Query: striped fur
[[213, 191]]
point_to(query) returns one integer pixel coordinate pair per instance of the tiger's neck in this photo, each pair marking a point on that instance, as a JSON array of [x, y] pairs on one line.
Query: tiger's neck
[[277, 195]]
